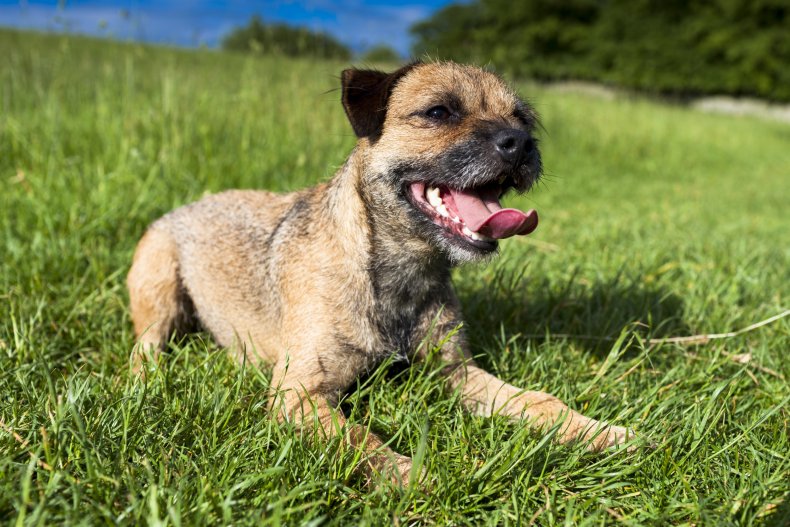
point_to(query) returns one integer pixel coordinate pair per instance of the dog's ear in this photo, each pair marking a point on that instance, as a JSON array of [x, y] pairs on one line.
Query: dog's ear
[[365, 95]]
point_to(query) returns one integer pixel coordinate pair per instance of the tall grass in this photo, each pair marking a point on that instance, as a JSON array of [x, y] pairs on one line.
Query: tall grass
[[656, 221]]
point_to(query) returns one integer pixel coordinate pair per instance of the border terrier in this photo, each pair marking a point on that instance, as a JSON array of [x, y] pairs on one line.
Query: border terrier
[[325, 283]]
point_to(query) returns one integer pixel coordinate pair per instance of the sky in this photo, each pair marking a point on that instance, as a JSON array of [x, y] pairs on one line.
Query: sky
[[357, 23]]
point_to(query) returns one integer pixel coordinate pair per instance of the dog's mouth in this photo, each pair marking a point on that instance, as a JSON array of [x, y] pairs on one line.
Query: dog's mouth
[[472, 215]]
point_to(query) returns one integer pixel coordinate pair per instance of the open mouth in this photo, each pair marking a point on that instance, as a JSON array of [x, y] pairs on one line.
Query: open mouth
[[472, 215]]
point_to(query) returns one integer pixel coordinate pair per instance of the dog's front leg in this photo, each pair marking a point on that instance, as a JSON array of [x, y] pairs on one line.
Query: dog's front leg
[[485, 394], [304, 392]]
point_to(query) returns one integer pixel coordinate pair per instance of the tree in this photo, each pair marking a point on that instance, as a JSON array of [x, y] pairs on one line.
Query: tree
[[279, 38], [381, 54], [681, 47]]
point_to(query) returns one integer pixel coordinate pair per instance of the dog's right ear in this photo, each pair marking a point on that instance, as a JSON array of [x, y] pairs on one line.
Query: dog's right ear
[[365, 96]]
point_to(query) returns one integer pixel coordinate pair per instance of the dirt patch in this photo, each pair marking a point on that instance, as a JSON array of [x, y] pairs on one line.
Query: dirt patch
[[716, 104], [752, 107]]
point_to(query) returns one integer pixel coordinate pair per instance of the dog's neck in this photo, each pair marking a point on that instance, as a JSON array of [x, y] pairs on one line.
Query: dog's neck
[[407, 277], [401, 266]]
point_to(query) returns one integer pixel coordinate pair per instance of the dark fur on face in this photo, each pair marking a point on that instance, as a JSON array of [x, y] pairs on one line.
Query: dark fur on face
[[468, 165], [465, 127]]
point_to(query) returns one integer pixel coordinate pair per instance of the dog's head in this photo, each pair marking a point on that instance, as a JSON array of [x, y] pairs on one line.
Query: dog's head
[[448, 141]]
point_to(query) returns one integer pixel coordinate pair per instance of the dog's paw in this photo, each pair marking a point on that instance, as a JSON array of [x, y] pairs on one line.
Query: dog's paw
[[397, 470], [604, 436], [401, 472], [143, 360]]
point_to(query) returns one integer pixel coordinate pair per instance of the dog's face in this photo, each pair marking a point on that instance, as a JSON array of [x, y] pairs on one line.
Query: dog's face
[[447, 141]]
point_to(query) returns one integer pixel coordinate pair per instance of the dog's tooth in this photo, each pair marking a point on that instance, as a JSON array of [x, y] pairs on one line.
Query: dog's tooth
[[442, 210], [474, 236], [433, 197], [467, 231], [456, 219]]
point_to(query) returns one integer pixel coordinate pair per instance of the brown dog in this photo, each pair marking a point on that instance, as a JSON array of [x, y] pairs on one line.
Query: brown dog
[[326, 282]]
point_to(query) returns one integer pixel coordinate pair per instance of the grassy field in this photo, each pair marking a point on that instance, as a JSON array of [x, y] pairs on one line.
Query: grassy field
[[656, 221]]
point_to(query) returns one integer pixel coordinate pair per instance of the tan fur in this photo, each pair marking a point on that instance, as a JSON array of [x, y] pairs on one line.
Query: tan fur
[[324, 283], [154, 290]]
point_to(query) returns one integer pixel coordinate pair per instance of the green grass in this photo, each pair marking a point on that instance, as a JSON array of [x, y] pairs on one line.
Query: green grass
[[656, 221]]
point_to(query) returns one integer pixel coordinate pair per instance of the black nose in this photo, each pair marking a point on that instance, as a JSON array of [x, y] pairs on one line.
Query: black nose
[[513, 144]]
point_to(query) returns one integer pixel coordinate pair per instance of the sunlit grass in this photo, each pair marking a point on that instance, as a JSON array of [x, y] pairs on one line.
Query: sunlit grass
[[656, 221]]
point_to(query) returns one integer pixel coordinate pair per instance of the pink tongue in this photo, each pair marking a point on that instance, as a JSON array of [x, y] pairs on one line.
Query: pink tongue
[[481, 212]]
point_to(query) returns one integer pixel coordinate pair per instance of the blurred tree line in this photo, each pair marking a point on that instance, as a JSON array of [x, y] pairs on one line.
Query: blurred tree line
[[283, 39], [676, 47], [278, 38]]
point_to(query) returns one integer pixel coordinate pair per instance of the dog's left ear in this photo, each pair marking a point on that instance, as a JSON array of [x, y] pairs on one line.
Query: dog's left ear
[[365, 95]]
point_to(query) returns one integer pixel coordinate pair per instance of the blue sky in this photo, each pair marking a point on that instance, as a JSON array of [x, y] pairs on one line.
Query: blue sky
[[358, 23]]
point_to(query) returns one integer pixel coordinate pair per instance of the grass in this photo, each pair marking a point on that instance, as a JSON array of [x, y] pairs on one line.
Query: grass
[[657, 221]]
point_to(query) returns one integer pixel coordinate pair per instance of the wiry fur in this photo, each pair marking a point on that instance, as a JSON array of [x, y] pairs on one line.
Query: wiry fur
[[326, 282]]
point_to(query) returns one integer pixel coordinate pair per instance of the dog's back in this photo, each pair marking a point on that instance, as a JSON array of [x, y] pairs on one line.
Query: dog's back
[[215, 261]]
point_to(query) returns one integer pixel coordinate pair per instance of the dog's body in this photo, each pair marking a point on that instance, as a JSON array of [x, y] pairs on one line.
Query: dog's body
[[325, 283]]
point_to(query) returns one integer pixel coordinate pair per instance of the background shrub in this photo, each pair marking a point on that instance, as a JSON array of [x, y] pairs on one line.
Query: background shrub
[[676, 47], [283, 39]]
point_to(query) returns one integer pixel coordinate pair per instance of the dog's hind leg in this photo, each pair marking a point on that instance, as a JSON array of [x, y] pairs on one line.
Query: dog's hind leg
[[158, 301]]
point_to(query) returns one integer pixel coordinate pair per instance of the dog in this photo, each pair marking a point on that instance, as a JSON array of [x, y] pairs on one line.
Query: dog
[[324, 283]]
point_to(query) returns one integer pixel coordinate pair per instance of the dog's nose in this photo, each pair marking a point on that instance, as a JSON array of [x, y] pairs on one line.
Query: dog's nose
[[513, 144]]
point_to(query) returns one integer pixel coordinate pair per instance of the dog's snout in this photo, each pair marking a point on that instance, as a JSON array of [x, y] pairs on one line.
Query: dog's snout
[[513, 144]]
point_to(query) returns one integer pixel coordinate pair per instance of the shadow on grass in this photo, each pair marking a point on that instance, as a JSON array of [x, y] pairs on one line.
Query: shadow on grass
[[590, 315], [781, 516]]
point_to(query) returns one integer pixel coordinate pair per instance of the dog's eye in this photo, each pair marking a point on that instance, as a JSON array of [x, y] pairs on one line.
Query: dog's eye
[[438, 113]]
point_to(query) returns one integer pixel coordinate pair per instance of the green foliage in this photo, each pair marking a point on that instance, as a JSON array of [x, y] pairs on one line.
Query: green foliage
[[655, 221], [738, 47], [278, 38], [381, 54], [452, 31]]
